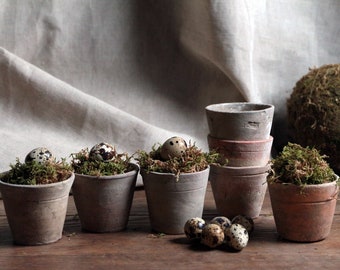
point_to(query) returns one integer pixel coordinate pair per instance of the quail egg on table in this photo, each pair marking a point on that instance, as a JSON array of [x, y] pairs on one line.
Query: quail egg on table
[[212, 235], [173, 147], [193, 228], [245, 221], [39, 155], [222, 221], [102, 152], [236, 236]]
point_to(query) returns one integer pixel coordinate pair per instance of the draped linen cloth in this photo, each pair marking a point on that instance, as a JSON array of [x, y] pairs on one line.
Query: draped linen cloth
[[133, 73]]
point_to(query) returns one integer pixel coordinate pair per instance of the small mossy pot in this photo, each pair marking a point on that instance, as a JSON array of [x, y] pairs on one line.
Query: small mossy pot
[[303, 191], [175, 184], [303, 213], [36, 213], [103, 188], [104, 202], [172, 200]]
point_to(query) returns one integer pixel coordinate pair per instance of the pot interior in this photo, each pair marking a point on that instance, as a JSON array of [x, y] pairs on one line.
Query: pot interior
[[237, 107]]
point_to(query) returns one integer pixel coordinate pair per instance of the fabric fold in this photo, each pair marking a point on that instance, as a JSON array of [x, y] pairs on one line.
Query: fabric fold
[[38, 109]]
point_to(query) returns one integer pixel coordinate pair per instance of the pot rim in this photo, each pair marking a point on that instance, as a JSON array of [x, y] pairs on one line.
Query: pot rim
[[244, 170], [135, 170], [308, 186], [172, 174], [39, 186], [223, 141], [225, 107]]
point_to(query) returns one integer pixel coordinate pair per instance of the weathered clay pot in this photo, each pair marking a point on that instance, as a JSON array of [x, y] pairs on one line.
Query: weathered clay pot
[[104, 203], [243, 153], [170, 202], [238, 190], [303, 213], [36, 213], [240, 121]]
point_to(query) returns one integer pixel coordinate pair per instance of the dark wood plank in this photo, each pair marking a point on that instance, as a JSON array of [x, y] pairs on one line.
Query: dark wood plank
[[139, 248]]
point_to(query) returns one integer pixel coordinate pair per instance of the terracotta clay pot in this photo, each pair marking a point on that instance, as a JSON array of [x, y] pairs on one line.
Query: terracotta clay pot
[[240, 121], [104, 203], [243, 153], [172, 202], [36, 213], [239, 190], [303, 213]]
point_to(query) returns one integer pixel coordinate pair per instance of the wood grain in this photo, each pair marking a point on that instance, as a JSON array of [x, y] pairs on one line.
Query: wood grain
[[139, 248]]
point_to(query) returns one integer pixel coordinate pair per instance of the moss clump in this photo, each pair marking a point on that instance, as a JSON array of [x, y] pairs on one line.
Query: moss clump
[[34, 173], [300, 166], [192, 160], [83, 164], [314, 112]]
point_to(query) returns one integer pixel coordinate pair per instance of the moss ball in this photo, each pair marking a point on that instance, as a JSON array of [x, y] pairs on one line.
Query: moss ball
[[314, 112]]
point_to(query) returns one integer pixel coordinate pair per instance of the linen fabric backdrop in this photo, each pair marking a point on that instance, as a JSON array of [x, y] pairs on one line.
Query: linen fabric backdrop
[[133, 73]]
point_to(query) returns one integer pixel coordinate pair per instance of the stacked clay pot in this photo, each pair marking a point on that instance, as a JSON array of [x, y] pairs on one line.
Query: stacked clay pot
[[240, 132]]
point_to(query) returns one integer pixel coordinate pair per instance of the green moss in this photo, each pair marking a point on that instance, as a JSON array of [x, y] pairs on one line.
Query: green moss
[[314, 112], [300, 166], [192, 160], [82, 164], [33, 173]]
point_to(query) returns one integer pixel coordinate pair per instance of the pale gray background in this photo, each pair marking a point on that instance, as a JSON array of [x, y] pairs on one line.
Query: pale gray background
[[135, 72]]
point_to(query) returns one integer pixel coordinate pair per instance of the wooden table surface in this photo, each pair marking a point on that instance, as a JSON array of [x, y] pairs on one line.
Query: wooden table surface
[[139, 248]]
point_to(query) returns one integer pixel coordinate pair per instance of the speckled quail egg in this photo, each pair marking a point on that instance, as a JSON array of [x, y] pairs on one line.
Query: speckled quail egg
[[173, 147], [222, 221], [102, 152], [245, 221], [39, 155], [236, 236], [193, 228], [212, 235]]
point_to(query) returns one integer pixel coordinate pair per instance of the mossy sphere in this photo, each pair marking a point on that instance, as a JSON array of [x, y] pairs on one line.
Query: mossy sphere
[[314, 112]]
